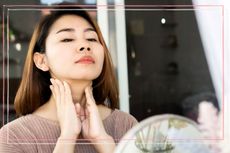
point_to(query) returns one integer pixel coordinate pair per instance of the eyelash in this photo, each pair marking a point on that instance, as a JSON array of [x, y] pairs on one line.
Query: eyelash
[[69, 40], [92, 39]]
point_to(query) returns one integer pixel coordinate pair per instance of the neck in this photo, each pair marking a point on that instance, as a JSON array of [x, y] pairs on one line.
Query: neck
[[78, 91], [78, 95], [77, 88]]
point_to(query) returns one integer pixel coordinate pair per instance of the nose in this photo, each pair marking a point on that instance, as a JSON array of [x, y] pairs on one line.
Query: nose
[[85, 48]]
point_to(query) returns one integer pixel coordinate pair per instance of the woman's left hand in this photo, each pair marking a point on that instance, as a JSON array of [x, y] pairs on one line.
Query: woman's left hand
[[92, 126]]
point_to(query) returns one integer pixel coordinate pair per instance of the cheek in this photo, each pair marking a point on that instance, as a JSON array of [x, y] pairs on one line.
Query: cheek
[[101, 57], [57, 57], [57, 50]]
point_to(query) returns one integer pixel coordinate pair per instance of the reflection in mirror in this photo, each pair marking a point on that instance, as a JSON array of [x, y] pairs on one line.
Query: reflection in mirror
[[164, 134]]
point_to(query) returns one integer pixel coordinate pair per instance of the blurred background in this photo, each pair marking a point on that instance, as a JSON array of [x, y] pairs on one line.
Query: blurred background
[[155, 45]]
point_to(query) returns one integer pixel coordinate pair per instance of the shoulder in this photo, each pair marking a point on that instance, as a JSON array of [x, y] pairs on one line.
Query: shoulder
[[121, 122], [15, 128], [124, 118], [11, 135], [13, 125], [116, 116], [28, 128], [20, 122]]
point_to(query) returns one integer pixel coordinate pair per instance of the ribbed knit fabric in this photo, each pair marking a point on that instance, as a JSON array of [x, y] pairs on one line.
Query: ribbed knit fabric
[[35, 134]]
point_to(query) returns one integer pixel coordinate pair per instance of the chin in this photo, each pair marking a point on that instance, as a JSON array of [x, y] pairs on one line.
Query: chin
[[87, 77]]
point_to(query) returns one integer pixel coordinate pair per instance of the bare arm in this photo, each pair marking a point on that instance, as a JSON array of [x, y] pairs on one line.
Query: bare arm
[[105, 145], [64, 145]]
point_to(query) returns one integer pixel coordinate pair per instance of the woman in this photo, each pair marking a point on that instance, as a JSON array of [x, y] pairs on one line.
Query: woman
[[68, 95]]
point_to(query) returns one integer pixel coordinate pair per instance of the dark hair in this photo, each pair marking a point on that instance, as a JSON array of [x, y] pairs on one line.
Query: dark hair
[[190, 104], [34, 87]]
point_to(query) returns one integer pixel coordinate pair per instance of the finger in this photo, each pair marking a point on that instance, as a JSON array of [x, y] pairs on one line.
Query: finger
[[61, 91], [78, 109], [68, 94], [56, 93], [86, 113], [82, 114], [52, 90], [55, 90], [89, 97]]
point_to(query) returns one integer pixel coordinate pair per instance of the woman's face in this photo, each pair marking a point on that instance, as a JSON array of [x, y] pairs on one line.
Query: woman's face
[[73, 50]]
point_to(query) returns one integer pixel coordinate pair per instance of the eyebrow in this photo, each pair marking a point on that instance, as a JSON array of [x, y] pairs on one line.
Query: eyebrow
[[72, 30], [89, 29], [65, 30]]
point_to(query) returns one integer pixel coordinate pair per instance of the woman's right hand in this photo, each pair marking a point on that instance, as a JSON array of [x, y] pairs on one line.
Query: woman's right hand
[[66, 112]]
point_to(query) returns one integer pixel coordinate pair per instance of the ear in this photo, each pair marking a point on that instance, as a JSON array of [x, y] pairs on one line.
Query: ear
[[40, 61]]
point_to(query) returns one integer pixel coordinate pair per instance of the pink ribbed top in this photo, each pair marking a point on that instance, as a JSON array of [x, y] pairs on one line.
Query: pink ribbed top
[[35, 134]]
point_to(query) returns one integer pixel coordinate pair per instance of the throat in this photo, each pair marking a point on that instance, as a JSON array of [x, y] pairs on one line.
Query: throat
[[80, 99]]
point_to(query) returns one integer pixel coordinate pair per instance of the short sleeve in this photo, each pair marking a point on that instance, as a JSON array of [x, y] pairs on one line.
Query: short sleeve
[[124, 122], [129, 122], [7, 146]]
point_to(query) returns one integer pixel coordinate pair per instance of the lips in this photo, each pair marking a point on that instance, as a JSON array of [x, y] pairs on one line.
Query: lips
[[86, 60]]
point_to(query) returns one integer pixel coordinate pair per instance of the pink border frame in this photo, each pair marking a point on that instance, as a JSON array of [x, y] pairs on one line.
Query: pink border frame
[[129, 7]]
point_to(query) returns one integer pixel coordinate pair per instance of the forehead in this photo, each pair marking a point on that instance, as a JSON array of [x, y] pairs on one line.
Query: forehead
[[70, 21]]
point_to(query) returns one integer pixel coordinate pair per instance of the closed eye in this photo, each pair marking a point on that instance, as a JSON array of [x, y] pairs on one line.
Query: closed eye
[[92, 39], [67, 40]]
